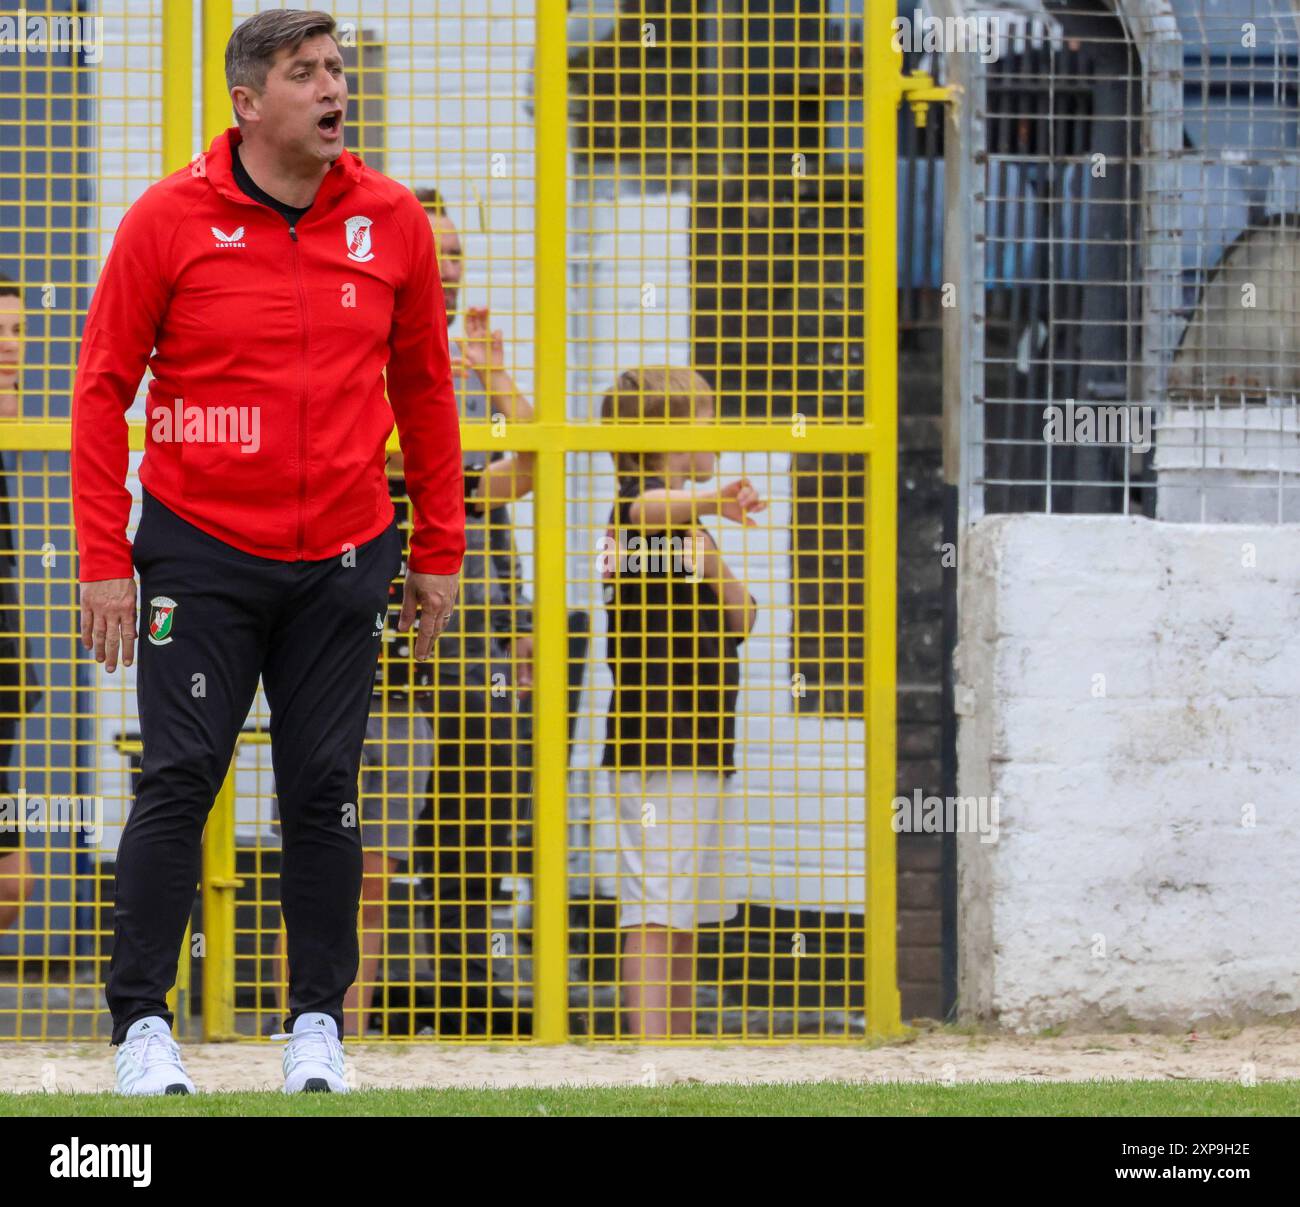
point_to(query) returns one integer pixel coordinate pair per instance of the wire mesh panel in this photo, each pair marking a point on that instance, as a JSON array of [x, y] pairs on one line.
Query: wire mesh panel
[[717, 807], [718, 824], [1226, 446], [1054, 257], [635, 774], [80, 123], [1133, 176]]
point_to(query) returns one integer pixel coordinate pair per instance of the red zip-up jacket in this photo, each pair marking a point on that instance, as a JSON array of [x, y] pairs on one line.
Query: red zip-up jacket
[[294, 328]]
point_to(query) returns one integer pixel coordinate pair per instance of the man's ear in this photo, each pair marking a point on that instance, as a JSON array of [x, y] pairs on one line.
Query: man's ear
[[246, 102]]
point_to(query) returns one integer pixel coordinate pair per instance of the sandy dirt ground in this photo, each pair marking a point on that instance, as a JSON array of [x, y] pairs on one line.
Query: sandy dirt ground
[[1264, 1053]]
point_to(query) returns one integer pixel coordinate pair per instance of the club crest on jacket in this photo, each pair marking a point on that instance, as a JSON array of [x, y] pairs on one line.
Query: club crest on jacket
[[357, 233]]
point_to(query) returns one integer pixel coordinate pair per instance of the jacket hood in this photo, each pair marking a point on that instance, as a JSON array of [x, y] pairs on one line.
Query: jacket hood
[[218, 167]]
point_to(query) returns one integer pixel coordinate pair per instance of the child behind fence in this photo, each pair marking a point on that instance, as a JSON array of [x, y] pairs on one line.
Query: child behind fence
[[677, 614]]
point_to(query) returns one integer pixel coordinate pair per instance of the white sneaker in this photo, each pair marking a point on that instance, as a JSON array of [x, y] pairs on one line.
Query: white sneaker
[[313, 1057], [149, 1062]]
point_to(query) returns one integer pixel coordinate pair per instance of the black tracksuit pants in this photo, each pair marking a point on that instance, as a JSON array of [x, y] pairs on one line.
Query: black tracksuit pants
[[309, 630]]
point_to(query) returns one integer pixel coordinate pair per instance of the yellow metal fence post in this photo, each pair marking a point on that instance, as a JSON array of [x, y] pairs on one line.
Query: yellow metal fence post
[[219, 885], [177, 135], [883, 88], [177, 84], [218, 22], [550, 708], [219, 880], [179, 1000]]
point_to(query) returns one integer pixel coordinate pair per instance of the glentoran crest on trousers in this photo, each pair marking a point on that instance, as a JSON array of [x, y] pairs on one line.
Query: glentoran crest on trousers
[[162, 614]]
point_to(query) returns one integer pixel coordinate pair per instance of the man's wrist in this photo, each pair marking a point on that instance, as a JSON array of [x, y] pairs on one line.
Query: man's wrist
[[103, 571], [438, 563]]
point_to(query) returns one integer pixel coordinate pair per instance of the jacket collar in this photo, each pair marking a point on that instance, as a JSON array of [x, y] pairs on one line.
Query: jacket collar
[[218, 167]]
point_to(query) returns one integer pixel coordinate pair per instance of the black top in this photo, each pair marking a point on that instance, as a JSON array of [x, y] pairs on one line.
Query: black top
[[290, 213], [676, 674]]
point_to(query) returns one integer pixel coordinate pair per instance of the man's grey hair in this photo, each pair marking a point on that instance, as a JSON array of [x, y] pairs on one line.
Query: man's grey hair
[[252, 47]]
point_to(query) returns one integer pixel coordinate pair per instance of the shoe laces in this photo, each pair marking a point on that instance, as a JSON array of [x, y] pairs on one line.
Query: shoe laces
[[155, 1048], [315, 1045]]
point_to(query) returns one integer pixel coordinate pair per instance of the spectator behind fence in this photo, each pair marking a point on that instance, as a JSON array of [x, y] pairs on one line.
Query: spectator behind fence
[[478, 747], [676, 617], [15, 867]]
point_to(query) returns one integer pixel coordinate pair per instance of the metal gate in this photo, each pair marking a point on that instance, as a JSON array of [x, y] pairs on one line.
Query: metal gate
[[697, 185]]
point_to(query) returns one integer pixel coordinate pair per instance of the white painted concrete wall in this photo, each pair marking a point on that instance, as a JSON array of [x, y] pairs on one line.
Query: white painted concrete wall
[[1130, 692]]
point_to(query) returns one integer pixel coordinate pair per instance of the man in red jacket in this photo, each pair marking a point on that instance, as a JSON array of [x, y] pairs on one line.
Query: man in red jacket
[[269, 286]]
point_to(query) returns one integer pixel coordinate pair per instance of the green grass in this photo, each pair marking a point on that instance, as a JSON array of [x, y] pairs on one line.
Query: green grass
[[1102, 1098]]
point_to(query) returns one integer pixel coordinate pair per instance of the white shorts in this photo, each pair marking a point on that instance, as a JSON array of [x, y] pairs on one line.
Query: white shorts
[[669, 848]]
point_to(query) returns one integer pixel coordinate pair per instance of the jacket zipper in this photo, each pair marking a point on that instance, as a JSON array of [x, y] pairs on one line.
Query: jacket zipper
[[302, 398], [236, 194]]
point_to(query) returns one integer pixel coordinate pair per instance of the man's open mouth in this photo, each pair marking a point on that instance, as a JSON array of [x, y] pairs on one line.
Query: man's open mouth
[[331, 121]]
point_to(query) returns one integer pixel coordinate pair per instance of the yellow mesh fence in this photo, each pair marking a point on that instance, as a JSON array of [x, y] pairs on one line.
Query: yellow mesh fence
[[643, 788]]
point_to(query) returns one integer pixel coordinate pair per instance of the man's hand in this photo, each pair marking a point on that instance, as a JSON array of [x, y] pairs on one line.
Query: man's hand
[[434, 597], [108, 620]]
